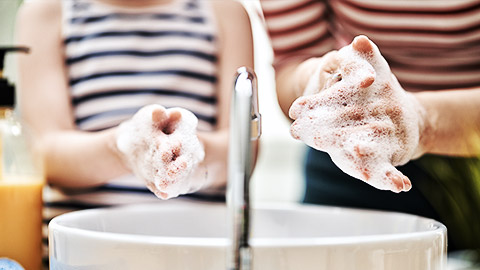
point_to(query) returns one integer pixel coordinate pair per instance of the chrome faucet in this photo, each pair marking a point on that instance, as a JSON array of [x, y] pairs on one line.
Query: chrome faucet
[[245, 126]]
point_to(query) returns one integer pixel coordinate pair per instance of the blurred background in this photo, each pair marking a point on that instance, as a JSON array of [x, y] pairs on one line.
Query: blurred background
[[8, 10]]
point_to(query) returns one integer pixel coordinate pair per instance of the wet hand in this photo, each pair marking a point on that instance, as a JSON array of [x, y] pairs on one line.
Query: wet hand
[[355, 110], [161, 147]]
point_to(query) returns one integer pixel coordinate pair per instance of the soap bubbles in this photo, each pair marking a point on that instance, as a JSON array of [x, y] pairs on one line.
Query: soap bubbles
[[162, 148], [355, 110]]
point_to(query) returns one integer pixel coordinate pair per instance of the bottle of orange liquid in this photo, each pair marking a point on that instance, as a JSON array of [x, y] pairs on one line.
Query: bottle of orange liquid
[[21, 184]]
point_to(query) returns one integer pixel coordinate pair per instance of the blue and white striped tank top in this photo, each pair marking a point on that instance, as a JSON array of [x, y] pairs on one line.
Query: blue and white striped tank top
[[121, 59]]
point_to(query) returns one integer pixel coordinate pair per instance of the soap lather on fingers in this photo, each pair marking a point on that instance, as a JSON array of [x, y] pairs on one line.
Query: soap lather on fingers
[[162, 148], [354, 109]]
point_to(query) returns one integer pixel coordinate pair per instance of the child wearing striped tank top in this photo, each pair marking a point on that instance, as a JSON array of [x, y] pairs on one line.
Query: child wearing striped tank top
[[95, 63]]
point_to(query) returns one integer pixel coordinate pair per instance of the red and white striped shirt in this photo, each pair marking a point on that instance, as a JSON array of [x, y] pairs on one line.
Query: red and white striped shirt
[[430, 45]]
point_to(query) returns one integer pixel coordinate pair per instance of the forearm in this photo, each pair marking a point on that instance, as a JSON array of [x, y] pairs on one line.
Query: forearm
[[216, 155], [452, 123], [81, 159]]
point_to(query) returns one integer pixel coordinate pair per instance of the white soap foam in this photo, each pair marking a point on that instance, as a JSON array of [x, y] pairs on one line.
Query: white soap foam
[[164, 161], [365, 121]]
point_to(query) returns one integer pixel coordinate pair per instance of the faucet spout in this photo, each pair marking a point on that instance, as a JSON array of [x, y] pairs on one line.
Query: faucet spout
[[245, 126]]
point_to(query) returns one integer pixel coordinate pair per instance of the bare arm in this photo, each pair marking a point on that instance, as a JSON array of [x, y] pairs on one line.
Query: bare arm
[[73, 158], [453, 122], [236, 50]]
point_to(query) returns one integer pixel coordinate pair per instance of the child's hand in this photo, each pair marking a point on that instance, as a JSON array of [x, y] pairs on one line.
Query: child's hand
[[361, 116], [161, 147]]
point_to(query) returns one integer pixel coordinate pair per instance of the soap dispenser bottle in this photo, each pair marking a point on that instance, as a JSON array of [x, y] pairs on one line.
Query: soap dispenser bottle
[[21, 182]]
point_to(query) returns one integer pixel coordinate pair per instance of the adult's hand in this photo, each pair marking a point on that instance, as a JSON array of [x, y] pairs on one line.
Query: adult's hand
[[354, 109]]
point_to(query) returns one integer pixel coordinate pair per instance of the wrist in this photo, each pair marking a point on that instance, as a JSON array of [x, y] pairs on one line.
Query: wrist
[[112, 142], [426, 125]]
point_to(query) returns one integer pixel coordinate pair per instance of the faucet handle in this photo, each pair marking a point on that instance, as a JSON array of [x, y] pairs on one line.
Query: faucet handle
[[256, 130]]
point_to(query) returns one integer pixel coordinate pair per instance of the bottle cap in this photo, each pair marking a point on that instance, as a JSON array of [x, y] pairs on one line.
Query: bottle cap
[[7, 90]]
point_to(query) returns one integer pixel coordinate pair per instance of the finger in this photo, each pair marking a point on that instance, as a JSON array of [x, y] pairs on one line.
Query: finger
[[362, 45], [362, 151], [159, 115], [299, 106], [174, 116], [330, 74], [325, 74], [360, 72], [367, 81], [377, 129], [172, 153], [160, 194], [159, 189], [181, 169], [397, 180], [301, 131], [160, 120], [370, 52], [332, 79], [393, 111], [374, 129], [331, 62], [296, 130], [171, 122], [353, 112], [361, 158], [177, 167]]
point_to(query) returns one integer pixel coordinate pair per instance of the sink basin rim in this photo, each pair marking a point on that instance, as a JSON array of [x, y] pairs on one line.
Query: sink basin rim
[[56, 225]]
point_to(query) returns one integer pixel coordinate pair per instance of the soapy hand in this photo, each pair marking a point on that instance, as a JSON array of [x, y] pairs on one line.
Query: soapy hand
[[355, 110], [161, 147]]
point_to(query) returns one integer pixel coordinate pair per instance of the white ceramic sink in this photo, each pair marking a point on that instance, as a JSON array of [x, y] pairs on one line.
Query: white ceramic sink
[[182, 235]]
